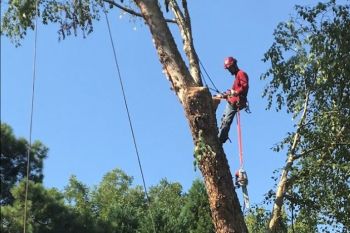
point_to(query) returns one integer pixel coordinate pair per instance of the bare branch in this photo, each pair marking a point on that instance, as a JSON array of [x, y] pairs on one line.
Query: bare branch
[[282, 185], [183, 22], [187, 15], [300, 126], [132, 12]]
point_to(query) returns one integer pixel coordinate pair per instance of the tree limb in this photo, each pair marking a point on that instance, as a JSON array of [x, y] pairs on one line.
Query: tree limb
[[183, 21], [276, 215], [132, 12], [173, 65], [187, 15], [305, 152]]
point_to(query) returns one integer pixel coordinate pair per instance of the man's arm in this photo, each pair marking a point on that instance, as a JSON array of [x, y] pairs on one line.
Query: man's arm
[[242, 83]]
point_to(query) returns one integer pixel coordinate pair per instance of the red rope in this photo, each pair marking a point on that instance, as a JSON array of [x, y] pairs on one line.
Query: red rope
[[239, 131]]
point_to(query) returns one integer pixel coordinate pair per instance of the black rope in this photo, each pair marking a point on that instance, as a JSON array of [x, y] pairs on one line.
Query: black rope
[[204, 80], [211, 81], [31, 122], [129, 118]]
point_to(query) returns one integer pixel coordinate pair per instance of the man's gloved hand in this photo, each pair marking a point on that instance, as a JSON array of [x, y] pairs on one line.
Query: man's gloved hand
[[232, 92], [223, 95]]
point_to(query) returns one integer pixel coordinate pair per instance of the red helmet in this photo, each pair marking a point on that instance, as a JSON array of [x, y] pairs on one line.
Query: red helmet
[[229, 61]]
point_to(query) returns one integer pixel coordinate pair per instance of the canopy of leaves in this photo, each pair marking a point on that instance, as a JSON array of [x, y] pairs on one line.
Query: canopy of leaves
[[257, 220], [13, 161], [310, 60], [195, 214], [46, 208], [167, 203], [112, 206], [72, 16]]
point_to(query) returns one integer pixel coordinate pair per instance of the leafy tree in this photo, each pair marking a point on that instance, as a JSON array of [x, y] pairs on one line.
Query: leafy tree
[[257, 220], [112, 206], [13, 162], [309, 77], [184, 80], [196, 211], [304, 222], [165, 209], [77, 196], [47, 212], [117, 206]]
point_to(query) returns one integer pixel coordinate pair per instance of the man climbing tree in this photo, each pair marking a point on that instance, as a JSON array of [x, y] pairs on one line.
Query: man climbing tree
[[236, 97], [184, 80]]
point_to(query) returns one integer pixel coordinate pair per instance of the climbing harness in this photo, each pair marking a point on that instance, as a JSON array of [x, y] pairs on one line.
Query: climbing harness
[[247, 108], [241, 177], [31, 122], [129, 118]]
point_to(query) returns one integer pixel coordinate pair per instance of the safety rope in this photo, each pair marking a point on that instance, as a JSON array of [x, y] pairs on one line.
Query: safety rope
[[241, 174], [240, 148], [211, 81], [31, 122], [129, 118]]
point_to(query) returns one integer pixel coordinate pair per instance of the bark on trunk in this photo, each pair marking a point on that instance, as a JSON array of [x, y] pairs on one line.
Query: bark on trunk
[[276, 224], [197, 103], [224, 204]]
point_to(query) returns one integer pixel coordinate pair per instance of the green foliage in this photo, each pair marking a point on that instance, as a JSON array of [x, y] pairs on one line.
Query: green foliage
[[202, 149], [46, 212], [19, 17], [199, 151], [257, 220], [174, 211], [112, 206], [195, 214], [13, 162], [77, 198], [304, 222], [71, 16], [166, 205], [310, 59], [117, 206]]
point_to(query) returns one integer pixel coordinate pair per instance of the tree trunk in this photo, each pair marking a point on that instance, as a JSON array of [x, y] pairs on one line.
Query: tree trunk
[[276, 224], [224, 204], [197, 103]]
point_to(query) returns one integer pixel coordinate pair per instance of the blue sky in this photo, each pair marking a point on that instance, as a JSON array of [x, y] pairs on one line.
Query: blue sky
[[79, 112]]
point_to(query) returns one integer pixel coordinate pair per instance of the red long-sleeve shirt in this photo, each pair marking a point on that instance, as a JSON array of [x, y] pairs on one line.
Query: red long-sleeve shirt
[[240, 86]]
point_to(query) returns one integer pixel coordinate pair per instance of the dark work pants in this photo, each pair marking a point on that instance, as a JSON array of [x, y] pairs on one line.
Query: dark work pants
[[226, 121]]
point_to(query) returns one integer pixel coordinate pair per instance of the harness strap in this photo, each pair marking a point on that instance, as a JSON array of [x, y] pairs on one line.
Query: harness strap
[[241, 175], [239, 130]]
